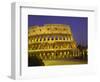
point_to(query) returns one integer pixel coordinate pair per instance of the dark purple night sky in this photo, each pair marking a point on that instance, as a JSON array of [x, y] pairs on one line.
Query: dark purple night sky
[[79, 25]]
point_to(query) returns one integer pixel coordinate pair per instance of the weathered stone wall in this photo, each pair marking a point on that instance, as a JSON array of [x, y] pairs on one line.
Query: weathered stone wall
[[52, 41]]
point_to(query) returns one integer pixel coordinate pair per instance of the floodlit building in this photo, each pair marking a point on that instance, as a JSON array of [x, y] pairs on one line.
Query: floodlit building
[[51, 42]]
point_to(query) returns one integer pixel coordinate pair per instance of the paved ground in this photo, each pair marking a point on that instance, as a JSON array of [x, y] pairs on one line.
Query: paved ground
[[63, 62]]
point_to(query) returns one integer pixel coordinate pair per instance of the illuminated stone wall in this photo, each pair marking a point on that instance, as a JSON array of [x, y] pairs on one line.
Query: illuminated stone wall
[[52, 41]]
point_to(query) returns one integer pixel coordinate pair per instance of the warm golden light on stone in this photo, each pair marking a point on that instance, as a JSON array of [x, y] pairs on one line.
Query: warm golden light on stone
[[52, 41]]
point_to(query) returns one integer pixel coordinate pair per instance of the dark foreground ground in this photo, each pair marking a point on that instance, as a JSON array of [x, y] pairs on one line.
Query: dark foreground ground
[[35, 61]]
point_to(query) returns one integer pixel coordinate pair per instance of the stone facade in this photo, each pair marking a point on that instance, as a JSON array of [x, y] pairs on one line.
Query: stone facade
[[51, 42]]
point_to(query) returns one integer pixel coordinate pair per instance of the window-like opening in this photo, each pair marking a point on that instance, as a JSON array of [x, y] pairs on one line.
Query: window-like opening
[[63, 38], [47, 28], [55, 28], [64, 29], [44, 38], [48, 38], [37, 39], [60, 38], [40, 39], [56, 38], [52, 38], [56, 54]]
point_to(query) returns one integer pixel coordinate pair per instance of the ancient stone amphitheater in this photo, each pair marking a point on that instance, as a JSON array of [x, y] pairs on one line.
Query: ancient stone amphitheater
[[52, 42]]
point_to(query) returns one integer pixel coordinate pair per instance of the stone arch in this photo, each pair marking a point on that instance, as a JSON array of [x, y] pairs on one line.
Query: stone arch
[[56, 37], [60, 37], [52, 37]]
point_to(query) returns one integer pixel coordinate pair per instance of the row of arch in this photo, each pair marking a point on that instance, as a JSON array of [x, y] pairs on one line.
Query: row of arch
[[49, 28], [51, 46], [59, 55], [49, 38]]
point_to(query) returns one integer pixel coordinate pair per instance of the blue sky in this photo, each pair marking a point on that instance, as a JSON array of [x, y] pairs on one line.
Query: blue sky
[[79, 25]]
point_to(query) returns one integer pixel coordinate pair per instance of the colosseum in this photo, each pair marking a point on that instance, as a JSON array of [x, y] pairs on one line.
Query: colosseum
[[52, 42]]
